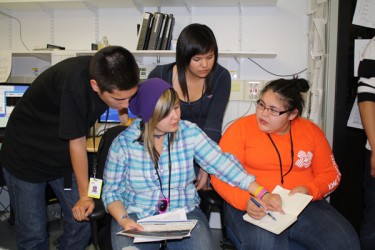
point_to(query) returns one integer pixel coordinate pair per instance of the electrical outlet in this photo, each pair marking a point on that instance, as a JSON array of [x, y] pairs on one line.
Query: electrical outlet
[[252, 89]]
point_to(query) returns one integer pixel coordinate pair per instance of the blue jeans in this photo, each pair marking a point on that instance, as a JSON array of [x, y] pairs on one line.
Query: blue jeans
[[29, 205], [367, 234], [319, 226], [200, 239]]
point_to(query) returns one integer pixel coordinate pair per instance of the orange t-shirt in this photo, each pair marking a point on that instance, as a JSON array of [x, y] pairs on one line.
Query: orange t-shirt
[[314, 165]]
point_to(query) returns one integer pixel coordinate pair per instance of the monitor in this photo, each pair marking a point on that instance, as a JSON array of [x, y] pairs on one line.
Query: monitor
[[10, 93], [109, 116]]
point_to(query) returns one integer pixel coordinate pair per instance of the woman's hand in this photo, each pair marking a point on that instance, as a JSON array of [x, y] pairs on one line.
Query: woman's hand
[[269, 201], [128, 224], [202, 180]]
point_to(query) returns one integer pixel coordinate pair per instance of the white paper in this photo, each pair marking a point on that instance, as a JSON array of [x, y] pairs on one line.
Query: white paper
[[5, 65], [354, 120], [364, 13], [178, 214]]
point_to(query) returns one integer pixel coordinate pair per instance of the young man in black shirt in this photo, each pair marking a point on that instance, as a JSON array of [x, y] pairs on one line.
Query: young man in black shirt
[[45, 141]]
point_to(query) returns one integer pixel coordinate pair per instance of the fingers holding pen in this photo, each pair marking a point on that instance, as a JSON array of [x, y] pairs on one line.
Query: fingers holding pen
[[272, 202]]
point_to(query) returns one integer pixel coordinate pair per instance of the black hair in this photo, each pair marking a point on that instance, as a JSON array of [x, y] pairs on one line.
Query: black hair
[[195, 39], [114, 67], [289, 92]]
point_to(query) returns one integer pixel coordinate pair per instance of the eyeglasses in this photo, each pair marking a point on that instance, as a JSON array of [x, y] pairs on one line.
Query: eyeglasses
[[271, 111], [162, 205]]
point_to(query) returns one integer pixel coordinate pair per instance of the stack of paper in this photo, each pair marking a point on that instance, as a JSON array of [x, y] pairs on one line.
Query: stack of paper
[[171, 225]]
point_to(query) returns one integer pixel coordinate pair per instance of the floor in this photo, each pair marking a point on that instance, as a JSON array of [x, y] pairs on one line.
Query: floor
[[7, 234]]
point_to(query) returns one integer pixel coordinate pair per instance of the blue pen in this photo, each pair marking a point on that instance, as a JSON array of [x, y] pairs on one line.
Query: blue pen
[[260, 206]]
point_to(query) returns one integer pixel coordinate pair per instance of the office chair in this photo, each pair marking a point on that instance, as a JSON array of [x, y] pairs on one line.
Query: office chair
[[211, 201], [100, 221]]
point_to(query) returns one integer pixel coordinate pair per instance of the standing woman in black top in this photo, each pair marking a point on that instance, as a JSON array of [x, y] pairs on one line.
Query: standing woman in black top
[[202, 84]]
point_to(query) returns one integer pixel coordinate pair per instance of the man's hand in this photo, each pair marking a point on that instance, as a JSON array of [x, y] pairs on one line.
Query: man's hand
[[83, 208]]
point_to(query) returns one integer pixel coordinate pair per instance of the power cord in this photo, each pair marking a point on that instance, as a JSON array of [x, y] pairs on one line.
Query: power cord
[[269, 72], [19, 22]]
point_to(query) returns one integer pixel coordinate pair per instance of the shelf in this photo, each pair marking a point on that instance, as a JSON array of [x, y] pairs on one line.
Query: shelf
[[29, 5], [47, 55]]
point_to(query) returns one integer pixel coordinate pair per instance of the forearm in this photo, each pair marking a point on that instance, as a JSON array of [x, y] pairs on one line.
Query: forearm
[[117, 210], [78, 155], [367, 111]]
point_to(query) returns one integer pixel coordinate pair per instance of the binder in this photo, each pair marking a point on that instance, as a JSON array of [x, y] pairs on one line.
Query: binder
[[155, 30], [162, 32], [142, 33], [168, 33]]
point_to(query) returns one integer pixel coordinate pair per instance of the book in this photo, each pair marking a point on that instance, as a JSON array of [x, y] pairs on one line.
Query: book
[[143, 30], [162, 32], [155, 30], [292, 206], [166, 45]]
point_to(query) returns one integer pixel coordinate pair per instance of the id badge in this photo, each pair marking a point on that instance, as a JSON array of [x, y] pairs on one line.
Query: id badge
[[95, 188]]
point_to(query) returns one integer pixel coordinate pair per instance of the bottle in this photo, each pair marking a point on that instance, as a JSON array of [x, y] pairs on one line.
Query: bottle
[[103, 43]]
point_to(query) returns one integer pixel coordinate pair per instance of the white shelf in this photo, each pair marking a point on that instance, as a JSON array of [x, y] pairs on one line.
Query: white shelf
[[47, 55], [29, 5]]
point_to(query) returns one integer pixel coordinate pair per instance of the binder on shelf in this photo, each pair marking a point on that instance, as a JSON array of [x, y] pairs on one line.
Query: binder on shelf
[[144, 29], [166, 45], [155, 30], [162, 32]]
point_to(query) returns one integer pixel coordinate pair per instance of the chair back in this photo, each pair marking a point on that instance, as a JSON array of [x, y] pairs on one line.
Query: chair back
[[103, 148]]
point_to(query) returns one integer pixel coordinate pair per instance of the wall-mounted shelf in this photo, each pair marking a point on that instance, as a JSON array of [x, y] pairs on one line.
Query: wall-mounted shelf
[[139, 4], [47, 55]]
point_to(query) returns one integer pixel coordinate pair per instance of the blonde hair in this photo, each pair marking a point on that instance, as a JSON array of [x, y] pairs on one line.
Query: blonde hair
[[163, 107]]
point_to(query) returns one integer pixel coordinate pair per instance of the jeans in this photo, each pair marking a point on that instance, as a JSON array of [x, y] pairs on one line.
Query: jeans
[[200, 239], [29, 204], [367, 232], [319, 226]]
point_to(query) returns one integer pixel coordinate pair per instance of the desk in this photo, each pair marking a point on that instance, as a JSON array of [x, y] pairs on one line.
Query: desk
[[90, 144]]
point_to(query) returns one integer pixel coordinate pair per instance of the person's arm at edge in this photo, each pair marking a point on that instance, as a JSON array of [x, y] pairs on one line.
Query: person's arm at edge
[[78, 154], [367, 111]]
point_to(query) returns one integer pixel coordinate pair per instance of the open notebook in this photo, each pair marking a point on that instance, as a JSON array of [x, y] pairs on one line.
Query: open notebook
[[292, 206]]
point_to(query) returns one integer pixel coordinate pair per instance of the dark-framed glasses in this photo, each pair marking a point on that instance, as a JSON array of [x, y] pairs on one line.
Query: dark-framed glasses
[[271, 111], [162, 205]]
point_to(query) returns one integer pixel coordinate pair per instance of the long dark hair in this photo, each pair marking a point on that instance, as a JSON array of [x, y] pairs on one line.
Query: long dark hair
[[195, 39]]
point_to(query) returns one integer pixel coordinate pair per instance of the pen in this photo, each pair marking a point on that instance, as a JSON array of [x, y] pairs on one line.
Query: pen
[[260, 206]]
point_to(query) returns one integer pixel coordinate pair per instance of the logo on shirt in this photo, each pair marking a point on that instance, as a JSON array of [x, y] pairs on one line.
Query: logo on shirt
[[304, 159]]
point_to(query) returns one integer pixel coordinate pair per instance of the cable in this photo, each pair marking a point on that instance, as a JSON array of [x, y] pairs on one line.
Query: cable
[[274, 73], [230, 122], [19, 23]]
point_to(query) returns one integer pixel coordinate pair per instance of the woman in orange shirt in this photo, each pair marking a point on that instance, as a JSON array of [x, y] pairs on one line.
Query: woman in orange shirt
[[281, 148]]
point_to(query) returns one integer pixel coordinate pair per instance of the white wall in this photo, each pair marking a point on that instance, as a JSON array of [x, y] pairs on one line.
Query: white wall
[[281, 29]]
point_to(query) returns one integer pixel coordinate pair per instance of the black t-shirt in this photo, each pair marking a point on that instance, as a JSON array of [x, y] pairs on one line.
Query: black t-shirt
[[58, 106]]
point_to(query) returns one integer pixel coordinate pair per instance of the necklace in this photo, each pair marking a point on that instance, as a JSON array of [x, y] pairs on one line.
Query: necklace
[[159, 136], [278, 154]]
